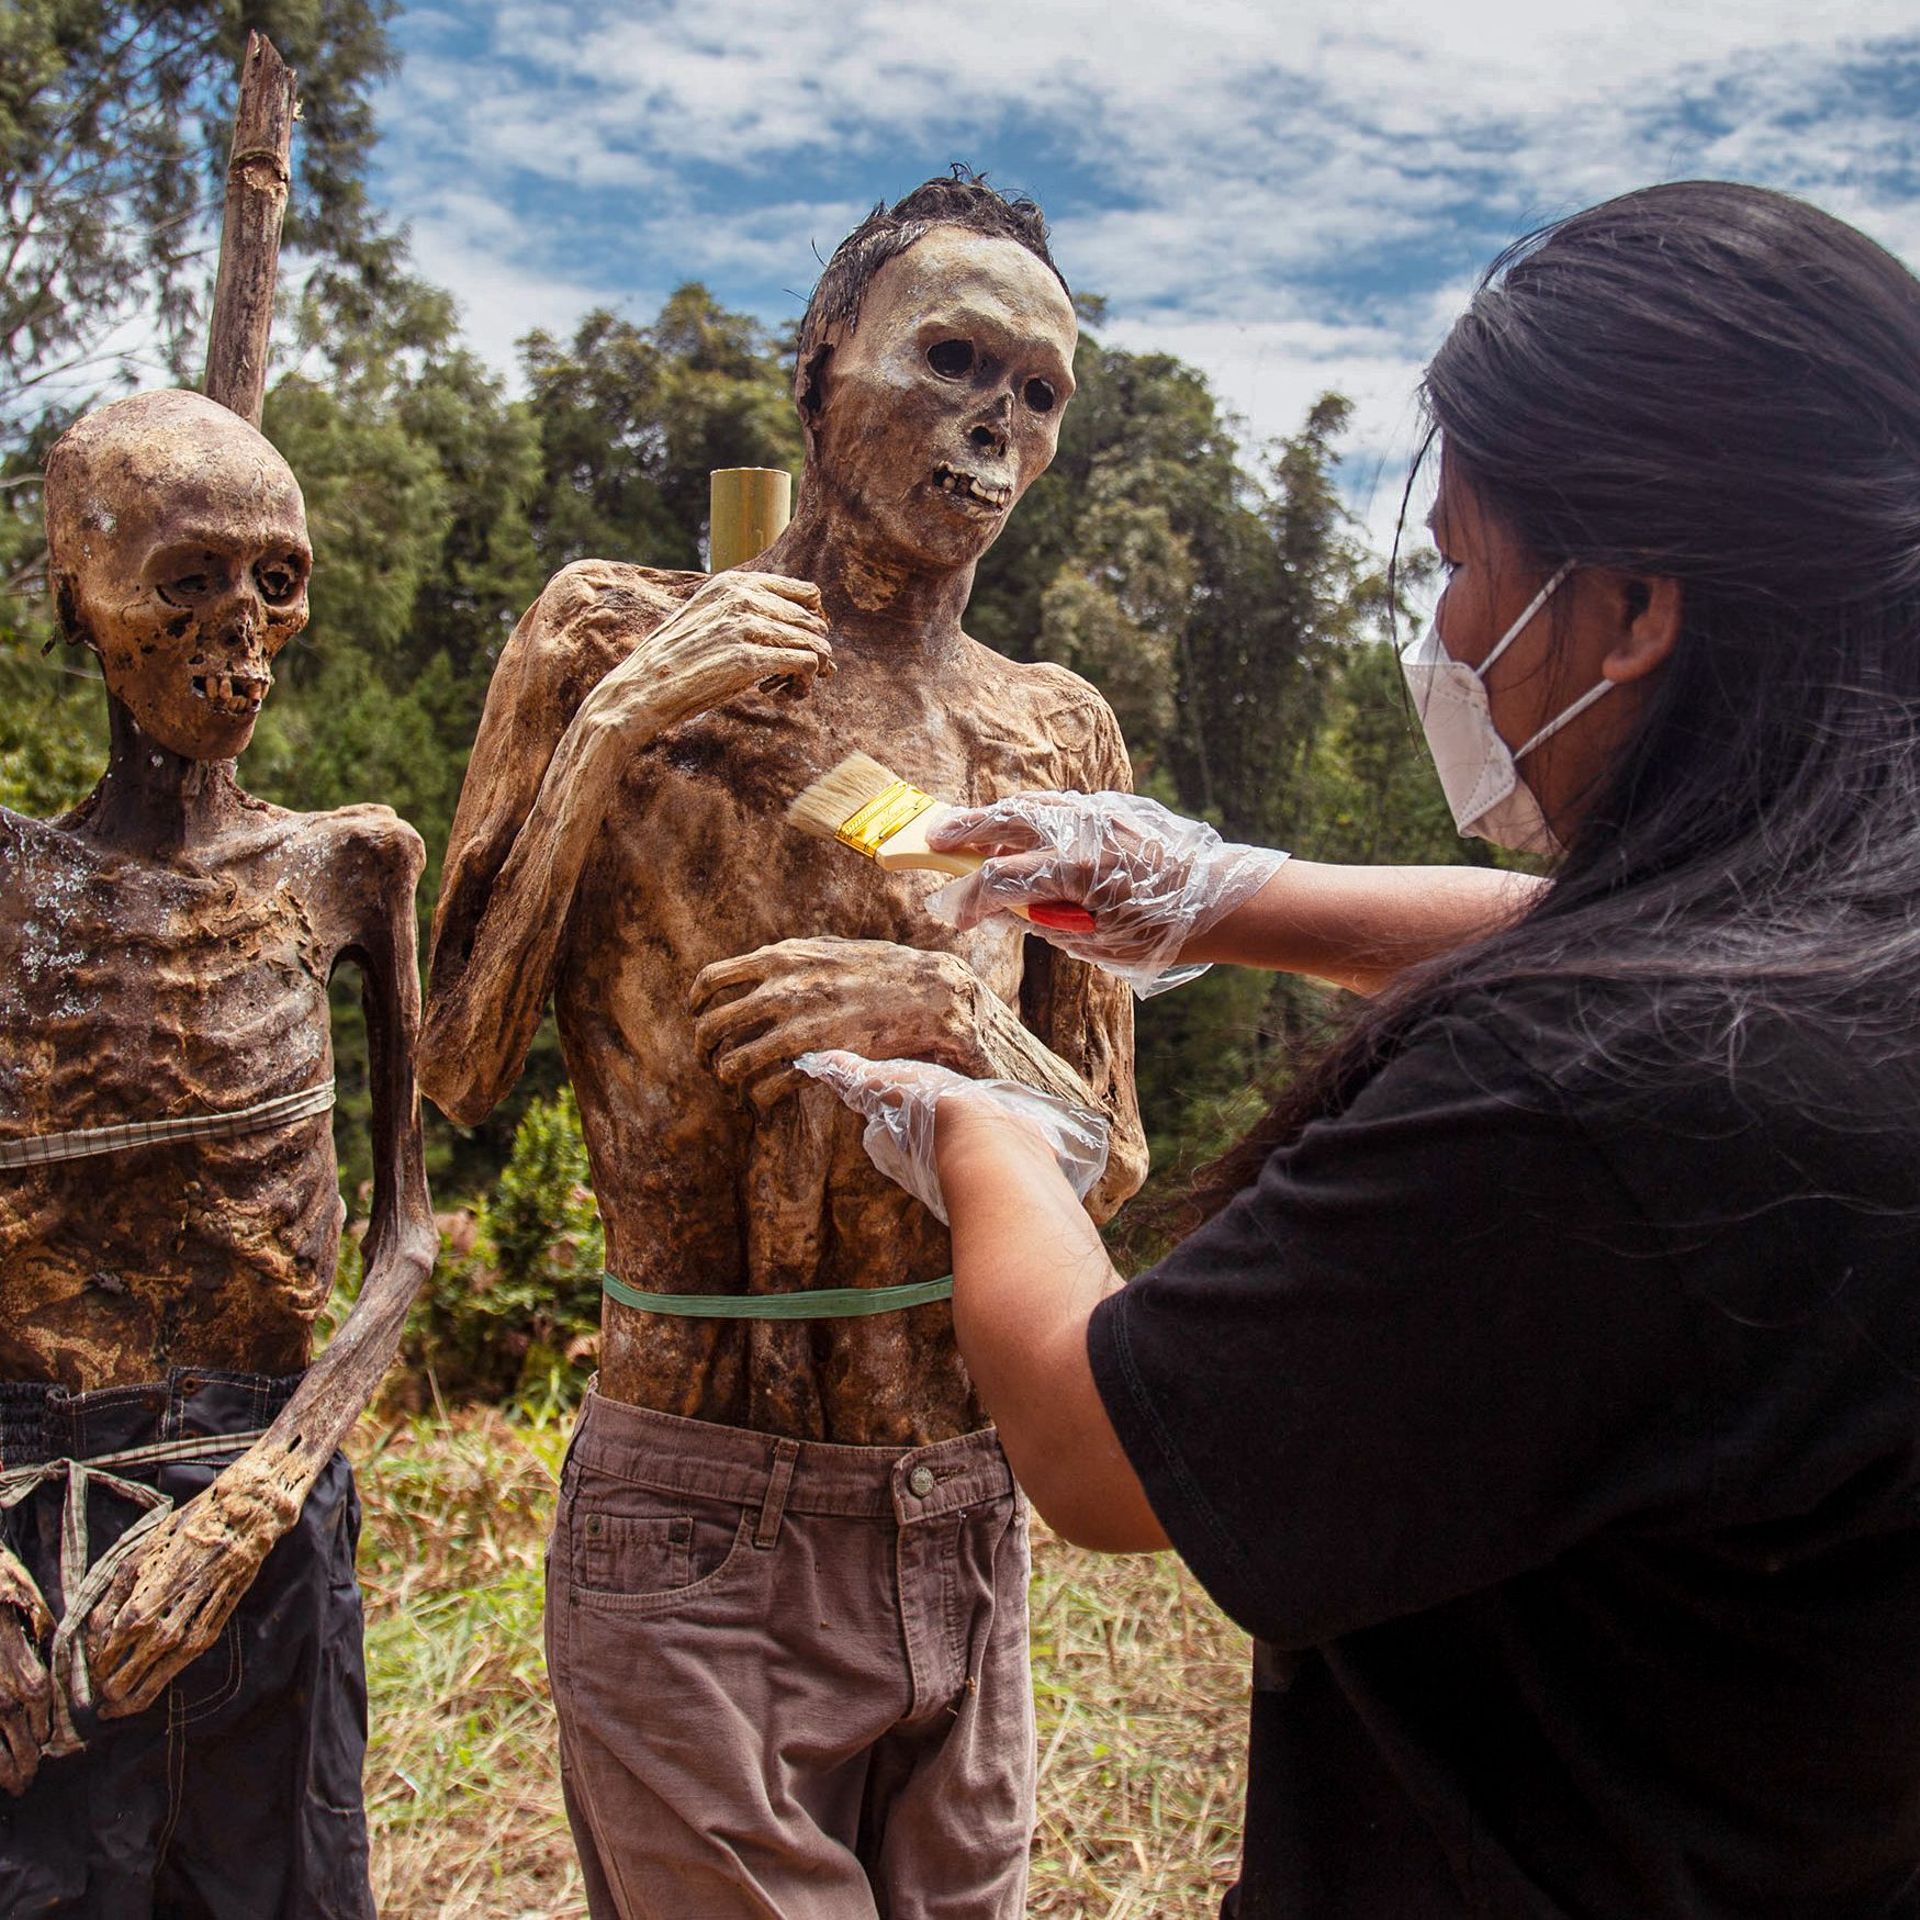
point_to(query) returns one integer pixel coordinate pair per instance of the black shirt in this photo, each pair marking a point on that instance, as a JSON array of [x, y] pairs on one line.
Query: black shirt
[[1560, 1438]]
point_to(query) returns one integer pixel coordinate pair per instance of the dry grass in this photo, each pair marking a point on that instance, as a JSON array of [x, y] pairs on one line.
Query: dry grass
[[1139, 1681]]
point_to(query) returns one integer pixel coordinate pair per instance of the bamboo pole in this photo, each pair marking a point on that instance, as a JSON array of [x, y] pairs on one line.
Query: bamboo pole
[[259, 177], [747, 511]]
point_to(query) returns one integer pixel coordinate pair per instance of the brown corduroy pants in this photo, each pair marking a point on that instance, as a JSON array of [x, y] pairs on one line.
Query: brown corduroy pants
[[791, 1677]]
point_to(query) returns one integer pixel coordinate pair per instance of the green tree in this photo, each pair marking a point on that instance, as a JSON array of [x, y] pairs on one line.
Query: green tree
[[1117, 608], [634, 418], [1282, 573], [1372, 793], [519, 1310], [115, 119]]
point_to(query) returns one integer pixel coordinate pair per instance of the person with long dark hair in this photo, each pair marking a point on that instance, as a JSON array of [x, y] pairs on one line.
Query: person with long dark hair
[[1541, 1387]]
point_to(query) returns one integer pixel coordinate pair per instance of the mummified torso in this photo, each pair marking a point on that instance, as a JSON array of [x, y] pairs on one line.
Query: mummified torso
[[134, 989], [701, 1189], [620, 843]]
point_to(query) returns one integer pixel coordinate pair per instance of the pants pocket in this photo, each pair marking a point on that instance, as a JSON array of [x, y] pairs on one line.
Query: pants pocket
[[616, 1553], [627, 1545], [206, 1684]]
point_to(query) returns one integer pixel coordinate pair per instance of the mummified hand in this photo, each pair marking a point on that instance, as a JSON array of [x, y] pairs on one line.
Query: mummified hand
[[167, 1604], [738, 632], [756, 1013], [26, 1691]]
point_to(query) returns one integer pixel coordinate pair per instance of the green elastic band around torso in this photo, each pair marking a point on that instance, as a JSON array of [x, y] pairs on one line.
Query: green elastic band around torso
[[828, 1303]]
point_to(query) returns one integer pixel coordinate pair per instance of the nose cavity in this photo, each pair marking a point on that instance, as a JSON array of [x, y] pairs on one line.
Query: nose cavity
[[988, 439], [238, 622]]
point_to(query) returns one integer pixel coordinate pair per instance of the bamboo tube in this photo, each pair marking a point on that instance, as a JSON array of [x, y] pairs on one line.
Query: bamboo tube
[[748, 510]]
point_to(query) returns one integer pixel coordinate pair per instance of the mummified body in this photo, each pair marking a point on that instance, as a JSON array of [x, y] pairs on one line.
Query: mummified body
[[790, 1677], [620, 843], [164, 952]]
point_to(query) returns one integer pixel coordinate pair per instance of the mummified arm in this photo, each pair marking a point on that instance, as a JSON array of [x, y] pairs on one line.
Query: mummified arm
[[26, 1693], [168, 1604], [512, 869]]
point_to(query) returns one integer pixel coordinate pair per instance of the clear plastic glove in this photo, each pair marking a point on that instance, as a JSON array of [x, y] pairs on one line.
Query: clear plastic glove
[[1151, 879], [898, 1098]]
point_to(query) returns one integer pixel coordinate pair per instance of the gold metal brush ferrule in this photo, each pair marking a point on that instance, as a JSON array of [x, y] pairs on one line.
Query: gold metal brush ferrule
[[882, 817]]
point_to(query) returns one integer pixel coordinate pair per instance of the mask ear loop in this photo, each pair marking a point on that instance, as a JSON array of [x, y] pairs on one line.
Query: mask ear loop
[[1572, 713], [1513, 633]]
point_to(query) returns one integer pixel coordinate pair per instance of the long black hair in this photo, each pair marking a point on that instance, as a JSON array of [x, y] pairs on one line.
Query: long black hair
[[1719, 385]]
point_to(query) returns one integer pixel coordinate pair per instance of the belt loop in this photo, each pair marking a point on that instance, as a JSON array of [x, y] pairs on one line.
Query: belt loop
[[785, 1453]]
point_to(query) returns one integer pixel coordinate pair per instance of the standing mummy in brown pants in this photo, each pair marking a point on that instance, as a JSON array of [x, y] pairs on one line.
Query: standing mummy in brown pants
[[786, 1604]]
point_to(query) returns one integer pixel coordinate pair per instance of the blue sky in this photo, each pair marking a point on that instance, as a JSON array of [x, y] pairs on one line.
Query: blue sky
[[1290, 197]]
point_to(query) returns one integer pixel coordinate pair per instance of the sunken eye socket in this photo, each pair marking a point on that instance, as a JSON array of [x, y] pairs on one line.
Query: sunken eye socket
[[279, 580], [1039, 396], [183, 587], [951, 359]]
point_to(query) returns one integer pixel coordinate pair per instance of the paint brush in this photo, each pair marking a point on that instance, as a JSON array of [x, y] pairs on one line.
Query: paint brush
[[869, 808]]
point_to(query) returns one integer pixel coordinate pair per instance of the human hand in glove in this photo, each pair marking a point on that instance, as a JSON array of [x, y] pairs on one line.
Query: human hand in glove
[[1151, 880], [898, 1099]]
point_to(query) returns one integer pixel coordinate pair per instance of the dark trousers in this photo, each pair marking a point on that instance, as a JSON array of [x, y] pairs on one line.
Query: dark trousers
[[236, 1795]]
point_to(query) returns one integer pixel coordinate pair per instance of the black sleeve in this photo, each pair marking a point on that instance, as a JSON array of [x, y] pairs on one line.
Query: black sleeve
[[1431, 1348]]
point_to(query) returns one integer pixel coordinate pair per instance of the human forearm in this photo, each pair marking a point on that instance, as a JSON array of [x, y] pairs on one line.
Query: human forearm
[[401, 1239], [1360, 926], [1029, 1269]]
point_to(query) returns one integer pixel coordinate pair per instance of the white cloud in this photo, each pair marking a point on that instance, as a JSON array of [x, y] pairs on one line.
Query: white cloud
[[1291, 200], [457, 245]]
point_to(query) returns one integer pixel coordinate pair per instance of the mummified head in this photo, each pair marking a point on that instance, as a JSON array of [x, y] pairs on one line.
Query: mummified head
[[935, 358], [177, 549]]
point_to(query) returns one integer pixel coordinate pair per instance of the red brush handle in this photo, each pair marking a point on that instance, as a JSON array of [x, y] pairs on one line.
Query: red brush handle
[[1063, 916]]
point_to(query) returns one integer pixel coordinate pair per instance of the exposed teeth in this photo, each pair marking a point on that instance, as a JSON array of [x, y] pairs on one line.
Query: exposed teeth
[[235, 693], [970, 487]]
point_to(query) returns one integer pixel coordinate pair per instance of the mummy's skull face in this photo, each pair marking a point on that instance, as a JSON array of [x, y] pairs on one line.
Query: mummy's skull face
[[943, 405], [177, 543]]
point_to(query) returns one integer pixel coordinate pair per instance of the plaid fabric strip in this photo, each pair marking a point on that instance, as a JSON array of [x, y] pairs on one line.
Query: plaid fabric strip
[[281, 1111], [82, 1578]]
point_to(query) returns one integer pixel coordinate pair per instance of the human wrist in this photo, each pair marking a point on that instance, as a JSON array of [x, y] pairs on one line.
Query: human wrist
[[1228, 930], [988, 1150]]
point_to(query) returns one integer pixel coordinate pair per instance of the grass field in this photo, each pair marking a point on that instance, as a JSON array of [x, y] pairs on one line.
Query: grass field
[[1140, 1685]]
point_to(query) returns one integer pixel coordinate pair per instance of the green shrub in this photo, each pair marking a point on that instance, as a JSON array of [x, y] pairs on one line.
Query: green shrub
[[512, 1312]]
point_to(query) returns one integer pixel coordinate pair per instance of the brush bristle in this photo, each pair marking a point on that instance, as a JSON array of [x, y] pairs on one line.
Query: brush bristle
[[825, 807]]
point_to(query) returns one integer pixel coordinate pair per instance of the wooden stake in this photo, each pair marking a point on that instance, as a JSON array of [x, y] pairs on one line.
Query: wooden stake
[[258, 180]]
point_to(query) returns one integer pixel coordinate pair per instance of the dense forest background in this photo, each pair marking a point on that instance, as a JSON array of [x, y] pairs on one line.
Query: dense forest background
[[1220, 597]]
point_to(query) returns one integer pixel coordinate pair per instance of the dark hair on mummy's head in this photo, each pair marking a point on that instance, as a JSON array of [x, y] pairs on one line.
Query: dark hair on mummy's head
[[961, 198]]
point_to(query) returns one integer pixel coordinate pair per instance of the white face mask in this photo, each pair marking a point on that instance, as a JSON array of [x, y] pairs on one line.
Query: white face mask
[[1478, 770]]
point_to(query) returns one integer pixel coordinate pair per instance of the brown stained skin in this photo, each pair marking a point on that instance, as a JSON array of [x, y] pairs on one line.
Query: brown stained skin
[[620, 845], [165, 949]]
